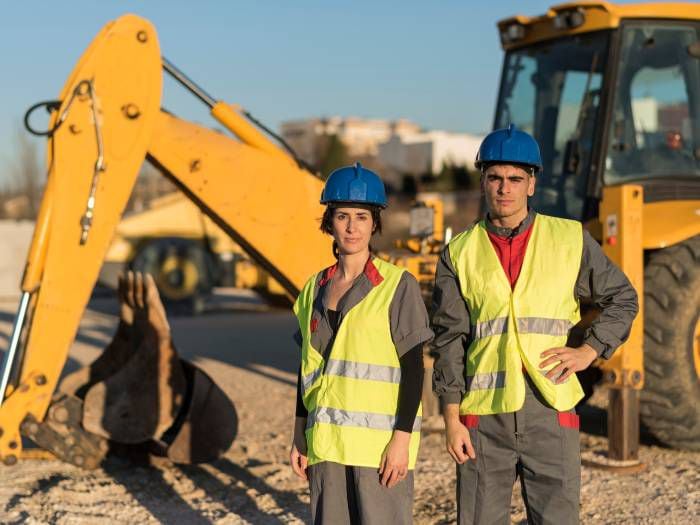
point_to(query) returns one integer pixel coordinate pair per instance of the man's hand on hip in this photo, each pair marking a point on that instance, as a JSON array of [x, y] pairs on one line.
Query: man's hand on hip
[[568, 360]]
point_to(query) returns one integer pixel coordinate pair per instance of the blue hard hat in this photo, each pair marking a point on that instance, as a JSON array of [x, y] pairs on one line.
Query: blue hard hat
[[354, 184], [509, 145]]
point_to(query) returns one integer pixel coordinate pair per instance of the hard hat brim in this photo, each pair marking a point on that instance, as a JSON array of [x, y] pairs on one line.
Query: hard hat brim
[[354, 204]]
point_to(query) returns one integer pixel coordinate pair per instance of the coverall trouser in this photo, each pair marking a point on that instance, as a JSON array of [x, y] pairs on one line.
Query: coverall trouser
[[344, 495], [536, 444]]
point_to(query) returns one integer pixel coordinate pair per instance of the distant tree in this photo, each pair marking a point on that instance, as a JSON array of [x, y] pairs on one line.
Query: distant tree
[[335, 155], [450, 178], [462, 177], [26, 177], [409, 185]]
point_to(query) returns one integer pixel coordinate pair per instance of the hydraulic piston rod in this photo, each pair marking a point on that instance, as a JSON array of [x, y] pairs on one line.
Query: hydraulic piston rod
[[8, 361], [228, 115]]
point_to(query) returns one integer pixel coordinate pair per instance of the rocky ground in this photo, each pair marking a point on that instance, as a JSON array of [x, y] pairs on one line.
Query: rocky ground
[[252, 357]]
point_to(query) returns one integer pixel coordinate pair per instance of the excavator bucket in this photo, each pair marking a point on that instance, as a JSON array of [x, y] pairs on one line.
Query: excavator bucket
[[141, 399], [209, 421], [140, 391]]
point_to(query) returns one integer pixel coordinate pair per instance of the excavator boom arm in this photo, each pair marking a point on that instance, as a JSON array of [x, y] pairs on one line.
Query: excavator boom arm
[[108, 123]]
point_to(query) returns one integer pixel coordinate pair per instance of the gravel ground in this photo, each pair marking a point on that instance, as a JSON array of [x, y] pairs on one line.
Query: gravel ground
[[252, 357]]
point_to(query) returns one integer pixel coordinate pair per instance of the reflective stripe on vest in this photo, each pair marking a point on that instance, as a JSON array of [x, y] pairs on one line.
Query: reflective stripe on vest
[[486, 381], [526, 325], [345, 418], [352, 399], [338, 367], [511, 327]]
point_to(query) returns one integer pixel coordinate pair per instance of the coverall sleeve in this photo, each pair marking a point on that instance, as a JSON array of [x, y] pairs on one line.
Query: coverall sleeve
[[410, 388], [408, 317], [300, 408], [297, 337], [608, 287], [452, 330]]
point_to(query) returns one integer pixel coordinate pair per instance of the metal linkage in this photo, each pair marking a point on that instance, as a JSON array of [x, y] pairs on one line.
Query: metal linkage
[[86, 220]]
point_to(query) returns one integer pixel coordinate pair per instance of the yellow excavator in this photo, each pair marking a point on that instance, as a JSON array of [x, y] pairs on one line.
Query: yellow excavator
[[108, 119], [612, 94], [187, 254]]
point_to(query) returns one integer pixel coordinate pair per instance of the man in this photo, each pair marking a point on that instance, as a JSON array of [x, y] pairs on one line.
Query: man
[[506, 295]]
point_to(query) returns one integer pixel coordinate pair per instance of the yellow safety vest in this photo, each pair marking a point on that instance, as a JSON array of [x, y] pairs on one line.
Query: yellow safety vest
[[352, 398], [512, 327]]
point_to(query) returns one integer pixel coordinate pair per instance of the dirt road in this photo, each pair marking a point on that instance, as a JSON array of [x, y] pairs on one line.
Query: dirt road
[[252, 356]]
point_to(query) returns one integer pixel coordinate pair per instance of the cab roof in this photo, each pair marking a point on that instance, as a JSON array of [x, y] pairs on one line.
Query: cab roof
[[596, 16]]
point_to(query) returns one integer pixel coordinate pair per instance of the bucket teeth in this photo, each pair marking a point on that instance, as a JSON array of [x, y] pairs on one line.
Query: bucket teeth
[[140, 400], [62, 434]]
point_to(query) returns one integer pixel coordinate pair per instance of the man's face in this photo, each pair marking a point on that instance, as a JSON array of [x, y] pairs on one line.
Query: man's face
[[506, 188]]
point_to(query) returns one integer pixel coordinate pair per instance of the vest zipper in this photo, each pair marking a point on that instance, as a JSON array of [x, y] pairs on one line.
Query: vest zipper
[[510, 260]]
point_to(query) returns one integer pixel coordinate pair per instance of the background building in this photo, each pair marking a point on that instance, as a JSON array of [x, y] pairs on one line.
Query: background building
[[429, 152], [398, 148], [361, 137]]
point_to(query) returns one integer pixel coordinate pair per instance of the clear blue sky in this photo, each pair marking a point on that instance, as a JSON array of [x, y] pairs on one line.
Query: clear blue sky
[[436, 63]]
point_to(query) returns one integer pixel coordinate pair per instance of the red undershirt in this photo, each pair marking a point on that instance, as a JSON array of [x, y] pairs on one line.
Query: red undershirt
[[511, 252]]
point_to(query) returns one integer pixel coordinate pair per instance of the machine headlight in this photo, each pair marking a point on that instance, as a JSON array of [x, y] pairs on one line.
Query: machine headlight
[[570, 19], [513, 33]]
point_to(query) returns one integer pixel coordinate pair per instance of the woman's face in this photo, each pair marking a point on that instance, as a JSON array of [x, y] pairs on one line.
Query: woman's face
[[352, 229]]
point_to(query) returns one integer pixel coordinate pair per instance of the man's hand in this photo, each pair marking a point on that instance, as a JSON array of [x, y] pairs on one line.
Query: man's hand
[[458, 442], [569, 360], [297, 456], [394, 466]]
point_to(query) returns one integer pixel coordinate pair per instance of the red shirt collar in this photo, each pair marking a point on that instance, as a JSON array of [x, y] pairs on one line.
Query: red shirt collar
[[370, 271]]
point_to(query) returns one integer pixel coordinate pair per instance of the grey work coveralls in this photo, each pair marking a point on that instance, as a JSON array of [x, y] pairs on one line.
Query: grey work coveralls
[[342, 494], [536, 443]]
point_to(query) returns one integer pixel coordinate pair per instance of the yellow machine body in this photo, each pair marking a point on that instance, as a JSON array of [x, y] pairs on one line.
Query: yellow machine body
[[173, 216], [110, 121]]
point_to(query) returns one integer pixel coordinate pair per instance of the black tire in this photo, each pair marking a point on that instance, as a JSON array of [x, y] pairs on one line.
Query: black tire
[[670, 399], [179, 298]]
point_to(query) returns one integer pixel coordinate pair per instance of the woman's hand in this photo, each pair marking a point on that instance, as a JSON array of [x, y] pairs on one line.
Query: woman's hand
[[297, 456], [299, 463], [394, 465]]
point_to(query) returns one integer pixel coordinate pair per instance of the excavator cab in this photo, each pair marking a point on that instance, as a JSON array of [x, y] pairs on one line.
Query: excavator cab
[[608, 107], [612, 95]]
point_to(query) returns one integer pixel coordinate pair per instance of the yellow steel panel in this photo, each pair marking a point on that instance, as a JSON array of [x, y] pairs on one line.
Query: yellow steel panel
[[599, 16], [622, 220], [123, 61], [670, 222], [270, 206]]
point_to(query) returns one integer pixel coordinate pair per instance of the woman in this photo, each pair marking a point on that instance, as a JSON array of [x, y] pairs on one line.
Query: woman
[[362, 326]]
